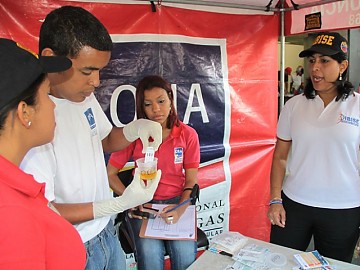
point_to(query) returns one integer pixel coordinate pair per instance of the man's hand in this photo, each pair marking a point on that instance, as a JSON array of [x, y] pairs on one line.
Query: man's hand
[[135, 194], [144, 129]]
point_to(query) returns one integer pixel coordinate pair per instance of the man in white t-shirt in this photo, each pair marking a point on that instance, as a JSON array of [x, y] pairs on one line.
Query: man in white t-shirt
[[73, 165]]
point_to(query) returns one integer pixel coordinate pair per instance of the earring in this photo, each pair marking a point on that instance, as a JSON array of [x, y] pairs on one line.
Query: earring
[[340, 77], [29, 123]]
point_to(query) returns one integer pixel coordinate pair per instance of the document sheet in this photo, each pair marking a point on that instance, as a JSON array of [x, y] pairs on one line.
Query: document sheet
[[184, 229]]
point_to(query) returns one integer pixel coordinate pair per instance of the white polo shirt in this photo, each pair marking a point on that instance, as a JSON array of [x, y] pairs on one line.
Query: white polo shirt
[[73, 165], [324, 164]]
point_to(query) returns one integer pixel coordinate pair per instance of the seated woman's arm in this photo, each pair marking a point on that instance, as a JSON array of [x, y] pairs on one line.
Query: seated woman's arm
[[190, 181], [114, 181]]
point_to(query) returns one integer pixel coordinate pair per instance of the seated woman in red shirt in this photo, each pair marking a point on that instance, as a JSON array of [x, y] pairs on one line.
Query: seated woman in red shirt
[[32, 235], [178, 158]]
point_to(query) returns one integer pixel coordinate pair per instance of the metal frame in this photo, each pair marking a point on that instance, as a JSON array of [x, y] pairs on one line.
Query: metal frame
[[243, 6]]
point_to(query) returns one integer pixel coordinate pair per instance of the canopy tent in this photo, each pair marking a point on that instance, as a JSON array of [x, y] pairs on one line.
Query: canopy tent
[[282, 7], [335, 16], [221, 57], [276, 6], [261, 5]]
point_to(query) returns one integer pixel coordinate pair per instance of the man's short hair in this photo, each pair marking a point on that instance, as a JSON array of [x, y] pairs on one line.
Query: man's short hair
[[68, 29]]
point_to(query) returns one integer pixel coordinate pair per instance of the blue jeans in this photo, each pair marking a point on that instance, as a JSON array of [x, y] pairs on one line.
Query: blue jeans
[[150, 252], [104, 251]]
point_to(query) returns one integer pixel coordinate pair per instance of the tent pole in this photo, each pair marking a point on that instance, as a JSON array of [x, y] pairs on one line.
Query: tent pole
[[312, 4], [282, 57], [218, 4]]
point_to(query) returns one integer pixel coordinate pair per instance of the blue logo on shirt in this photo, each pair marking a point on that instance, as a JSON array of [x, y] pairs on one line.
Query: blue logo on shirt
[[348, 120], [90, 117]]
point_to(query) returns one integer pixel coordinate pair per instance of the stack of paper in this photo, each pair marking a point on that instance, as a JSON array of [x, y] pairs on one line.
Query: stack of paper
[[311, 260], [252, 257], [227, 243]]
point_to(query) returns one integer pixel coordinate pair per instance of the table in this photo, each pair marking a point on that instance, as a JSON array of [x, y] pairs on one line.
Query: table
[[212, 261]]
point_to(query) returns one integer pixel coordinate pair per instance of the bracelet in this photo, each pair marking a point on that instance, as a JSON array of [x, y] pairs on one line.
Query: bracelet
[[188, 188], [275, 201]]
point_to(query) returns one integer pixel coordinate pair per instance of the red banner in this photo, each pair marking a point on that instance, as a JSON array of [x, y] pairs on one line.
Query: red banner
[[223, 70]]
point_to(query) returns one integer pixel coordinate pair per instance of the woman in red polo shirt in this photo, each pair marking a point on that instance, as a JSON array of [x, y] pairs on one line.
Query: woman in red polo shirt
[[32, 236], [178, 158]]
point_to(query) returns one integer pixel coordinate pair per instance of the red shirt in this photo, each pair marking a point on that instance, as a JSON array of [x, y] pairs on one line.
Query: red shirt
[[32, 236], [179, 151]]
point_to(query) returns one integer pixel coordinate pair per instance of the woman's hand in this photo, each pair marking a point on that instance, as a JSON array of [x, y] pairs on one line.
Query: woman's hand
[[172, 216], [277, 215], [132, 214]]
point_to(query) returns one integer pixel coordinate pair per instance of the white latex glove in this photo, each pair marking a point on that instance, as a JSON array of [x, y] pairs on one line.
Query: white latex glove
[[144, 129], [135, 194]]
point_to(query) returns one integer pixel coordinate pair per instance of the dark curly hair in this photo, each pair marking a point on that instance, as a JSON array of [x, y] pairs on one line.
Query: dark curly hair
[[68, 29]]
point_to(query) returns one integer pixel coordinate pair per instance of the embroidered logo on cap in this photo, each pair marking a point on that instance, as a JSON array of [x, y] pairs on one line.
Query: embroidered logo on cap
[[324, 39], [344, 47]]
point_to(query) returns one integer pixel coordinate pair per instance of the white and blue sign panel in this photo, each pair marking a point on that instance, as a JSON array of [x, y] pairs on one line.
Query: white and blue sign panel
[[195, 71]]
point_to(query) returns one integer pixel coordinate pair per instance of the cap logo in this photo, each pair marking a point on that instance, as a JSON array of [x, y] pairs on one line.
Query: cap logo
[[344, 47], [324, 39], [26, 49]]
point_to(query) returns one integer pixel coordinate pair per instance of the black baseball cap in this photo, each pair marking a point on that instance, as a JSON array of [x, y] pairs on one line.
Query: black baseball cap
[[19, 68], [329, 43]]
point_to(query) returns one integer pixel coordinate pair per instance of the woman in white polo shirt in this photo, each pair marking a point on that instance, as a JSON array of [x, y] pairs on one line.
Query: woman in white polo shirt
[[320, 195]]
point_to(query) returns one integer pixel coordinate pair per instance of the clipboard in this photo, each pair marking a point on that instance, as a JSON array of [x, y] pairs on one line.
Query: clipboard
[[157, 228]]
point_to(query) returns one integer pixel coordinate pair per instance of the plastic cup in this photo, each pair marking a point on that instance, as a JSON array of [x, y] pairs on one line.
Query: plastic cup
[[147, 170]]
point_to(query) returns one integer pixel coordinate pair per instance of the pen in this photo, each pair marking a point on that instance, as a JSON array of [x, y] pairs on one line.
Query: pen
[[180, 204], [221, 252], [225, 253], [149, 208]]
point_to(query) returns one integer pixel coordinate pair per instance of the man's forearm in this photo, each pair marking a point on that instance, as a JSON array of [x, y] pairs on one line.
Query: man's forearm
[[115, 141], [75, 213]]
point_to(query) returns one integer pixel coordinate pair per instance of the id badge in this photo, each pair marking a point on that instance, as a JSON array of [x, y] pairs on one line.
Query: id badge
[[178, 155]]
